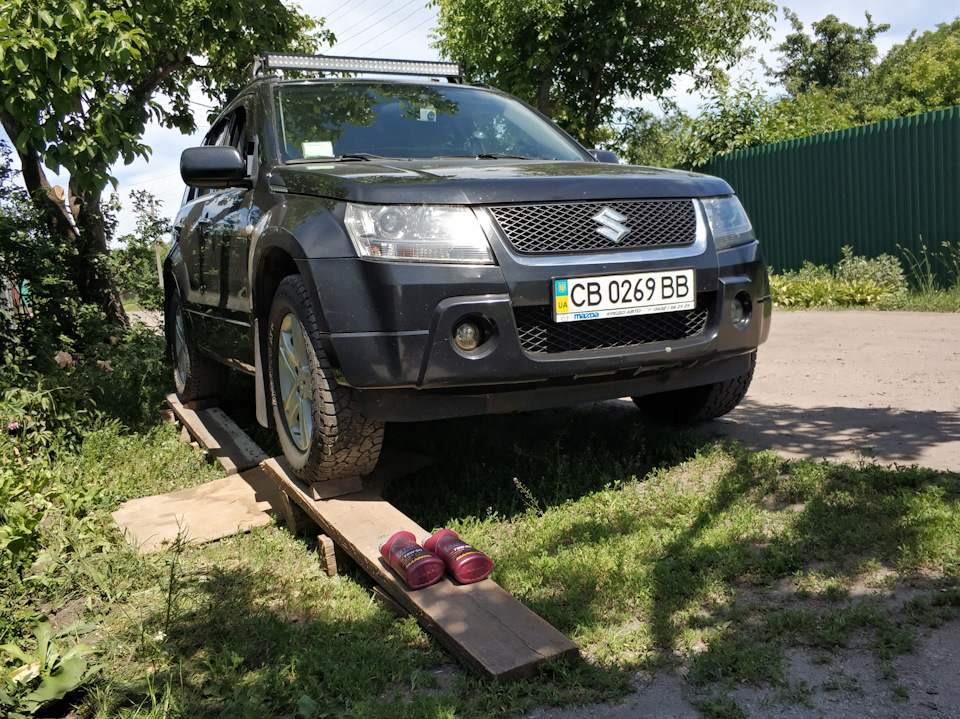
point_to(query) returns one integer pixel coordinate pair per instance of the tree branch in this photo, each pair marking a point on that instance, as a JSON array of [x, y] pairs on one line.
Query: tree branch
[[35, 180]]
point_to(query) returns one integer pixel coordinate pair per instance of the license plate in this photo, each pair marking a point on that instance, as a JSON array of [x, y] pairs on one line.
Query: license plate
[[641, 293]]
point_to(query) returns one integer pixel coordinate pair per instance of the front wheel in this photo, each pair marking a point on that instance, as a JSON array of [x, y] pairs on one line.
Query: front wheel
[[697, 404], [323, 434]]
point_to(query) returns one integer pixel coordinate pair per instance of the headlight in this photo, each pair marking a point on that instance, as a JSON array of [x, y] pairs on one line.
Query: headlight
[[728, 222], [418, 233]]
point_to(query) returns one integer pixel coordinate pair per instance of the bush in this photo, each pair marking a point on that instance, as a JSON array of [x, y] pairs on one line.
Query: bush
[[855, 282], [135, 264], [884, 271]]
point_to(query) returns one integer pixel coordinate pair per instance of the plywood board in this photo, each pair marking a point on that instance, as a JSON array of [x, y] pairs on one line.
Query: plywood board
[[481, 624], [204, 513], [220, 435]]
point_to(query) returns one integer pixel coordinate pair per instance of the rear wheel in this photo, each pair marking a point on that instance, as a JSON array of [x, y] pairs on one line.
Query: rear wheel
[[323, 434], [697, 404], [194, 376]]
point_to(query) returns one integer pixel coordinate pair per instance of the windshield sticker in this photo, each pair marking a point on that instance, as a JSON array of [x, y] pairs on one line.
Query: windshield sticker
[[318, 149], [428, 114]]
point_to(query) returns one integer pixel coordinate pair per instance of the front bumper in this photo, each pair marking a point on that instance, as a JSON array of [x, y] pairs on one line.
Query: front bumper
[[393, 342]]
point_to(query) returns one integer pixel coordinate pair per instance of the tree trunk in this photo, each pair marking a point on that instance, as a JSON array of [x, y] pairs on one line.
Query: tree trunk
[[84, 230], [590, 123], [543, 90], [95, 281]]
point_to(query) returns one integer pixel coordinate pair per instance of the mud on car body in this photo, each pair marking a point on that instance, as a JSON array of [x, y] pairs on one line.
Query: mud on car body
[[413, 248]]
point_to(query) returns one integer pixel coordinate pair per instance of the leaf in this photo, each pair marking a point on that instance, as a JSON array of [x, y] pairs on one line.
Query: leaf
[[65, 678], [306, 707], [15, 652], [26, 673]]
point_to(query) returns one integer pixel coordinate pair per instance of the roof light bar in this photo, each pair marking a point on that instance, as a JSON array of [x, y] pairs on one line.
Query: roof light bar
[[286, 61]]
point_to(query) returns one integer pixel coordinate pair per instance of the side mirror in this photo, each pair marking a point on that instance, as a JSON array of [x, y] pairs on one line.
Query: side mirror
[[213, 167], [605, 156]]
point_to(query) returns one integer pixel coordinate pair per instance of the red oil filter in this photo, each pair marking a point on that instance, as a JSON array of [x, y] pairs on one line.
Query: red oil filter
[[465, 563], [416, 565]]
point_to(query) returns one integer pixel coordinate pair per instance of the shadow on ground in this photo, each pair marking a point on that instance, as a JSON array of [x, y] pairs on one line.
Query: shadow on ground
[[884, 434]]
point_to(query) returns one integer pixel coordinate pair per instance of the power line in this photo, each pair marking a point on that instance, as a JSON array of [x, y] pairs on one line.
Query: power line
[[377, 22], [365, 17], [338, 7], [399, 37]]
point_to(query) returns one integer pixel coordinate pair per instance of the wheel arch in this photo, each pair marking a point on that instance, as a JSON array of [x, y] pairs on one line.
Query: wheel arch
[[277, 257]]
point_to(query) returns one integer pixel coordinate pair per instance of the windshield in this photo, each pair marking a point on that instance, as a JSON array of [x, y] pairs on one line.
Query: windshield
[[323, 120]]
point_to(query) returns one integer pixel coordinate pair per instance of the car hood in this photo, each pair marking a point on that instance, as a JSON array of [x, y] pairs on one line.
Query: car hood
[[487, 181]]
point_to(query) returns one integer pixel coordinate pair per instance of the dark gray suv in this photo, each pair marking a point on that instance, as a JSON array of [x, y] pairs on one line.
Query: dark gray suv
[[414, 248]]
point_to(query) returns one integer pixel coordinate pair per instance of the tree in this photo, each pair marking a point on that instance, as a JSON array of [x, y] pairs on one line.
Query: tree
[[572, 59], [837, 54], [921, 74], [135, 264], [732, 118], [80, 79]]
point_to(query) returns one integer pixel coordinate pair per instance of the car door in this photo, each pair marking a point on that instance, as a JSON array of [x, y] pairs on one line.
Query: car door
[[217, 266], [227, 225]]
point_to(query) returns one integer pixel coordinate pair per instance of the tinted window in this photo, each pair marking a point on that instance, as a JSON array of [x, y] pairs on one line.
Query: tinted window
[[415, 121]]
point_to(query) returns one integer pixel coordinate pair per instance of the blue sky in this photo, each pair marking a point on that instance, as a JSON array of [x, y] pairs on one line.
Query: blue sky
[[400, 29]]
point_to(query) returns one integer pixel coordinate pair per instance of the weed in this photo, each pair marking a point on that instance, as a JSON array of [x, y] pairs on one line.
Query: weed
[[529, 501], [46, 675], [720, 707]]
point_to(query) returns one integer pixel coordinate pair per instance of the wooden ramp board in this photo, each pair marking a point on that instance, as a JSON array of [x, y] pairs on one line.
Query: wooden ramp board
[[481, 624], [220, 435], [204, 513]]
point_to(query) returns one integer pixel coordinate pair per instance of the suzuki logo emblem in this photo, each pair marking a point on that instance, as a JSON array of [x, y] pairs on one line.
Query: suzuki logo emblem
[[613, 228]]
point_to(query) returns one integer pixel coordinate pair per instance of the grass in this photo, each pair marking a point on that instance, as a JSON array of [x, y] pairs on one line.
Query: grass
[[654, 550]]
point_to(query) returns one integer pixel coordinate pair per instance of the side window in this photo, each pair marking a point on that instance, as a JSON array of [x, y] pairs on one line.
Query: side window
[[230, 131]]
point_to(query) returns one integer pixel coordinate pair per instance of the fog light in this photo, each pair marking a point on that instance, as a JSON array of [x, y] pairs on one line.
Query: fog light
[[467, 336], [741, 308]]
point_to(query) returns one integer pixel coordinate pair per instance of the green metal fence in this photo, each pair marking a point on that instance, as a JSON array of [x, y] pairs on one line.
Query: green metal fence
[[877, 188]]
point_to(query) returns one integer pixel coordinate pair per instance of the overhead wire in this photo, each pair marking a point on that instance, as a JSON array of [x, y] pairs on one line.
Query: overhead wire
[[339, 7], [376, 22], [364, 18], [398, 37]]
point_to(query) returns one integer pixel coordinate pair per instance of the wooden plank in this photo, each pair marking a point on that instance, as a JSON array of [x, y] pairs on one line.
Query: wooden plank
[[202, 514], [220, 435], [278, 467], [328, 553], [481, 624]]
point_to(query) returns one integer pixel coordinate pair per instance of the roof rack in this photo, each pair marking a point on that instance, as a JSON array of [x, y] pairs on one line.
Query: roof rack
[[331, 63]]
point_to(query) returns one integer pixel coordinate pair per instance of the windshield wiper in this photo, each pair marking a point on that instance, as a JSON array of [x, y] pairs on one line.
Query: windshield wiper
[[498, 156], [483, 156], [347, 156]]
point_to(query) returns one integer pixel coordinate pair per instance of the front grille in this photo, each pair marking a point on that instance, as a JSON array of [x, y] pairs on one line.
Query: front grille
[[570, 227], [539, 334]]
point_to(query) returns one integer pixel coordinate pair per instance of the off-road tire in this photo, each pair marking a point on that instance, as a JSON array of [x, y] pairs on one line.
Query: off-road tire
[[343, 442], [194, 376], [697, 404]]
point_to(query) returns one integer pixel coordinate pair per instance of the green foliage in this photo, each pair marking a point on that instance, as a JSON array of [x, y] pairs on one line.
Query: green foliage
[[855, 281], [919, 75], [47, 673], [40, 265], [732, 118], [928, 266], [81, 78], [885, 271], [135, 264], [541, 51], [838, 53]]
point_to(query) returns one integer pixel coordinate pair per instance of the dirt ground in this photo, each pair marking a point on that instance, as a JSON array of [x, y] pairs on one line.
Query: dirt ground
[[856, 385], [845, 386]]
